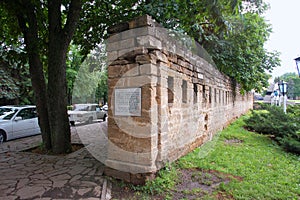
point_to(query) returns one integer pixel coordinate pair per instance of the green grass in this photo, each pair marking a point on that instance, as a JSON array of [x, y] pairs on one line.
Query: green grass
[[267, 171], [296, 101]]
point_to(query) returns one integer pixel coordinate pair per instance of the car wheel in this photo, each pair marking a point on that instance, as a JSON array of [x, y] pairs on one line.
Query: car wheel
[[104, 117], [72, 123], [90, 120], [2, 137]]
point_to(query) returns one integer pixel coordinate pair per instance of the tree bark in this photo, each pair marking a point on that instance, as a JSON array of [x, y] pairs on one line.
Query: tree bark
[[52, 103], [35, 68], [59, 40]]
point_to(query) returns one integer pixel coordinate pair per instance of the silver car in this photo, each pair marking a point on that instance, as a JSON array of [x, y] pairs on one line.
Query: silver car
[[18, 121]]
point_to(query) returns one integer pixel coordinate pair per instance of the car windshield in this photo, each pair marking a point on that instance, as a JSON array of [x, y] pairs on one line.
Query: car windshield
[[9, 115], [4, 110], [81, 108]]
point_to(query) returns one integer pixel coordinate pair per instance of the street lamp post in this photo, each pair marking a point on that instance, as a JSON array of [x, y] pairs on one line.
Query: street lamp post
[[283, 90], [298, 65]]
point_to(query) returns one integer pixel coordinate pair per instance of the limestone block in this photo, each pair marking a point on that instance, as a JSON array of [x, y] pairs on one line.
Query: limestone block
[[126, 53], [139, 81], [172, 57], [182, 63], [131, 70], [143, 59], [114, 38], [171, 47], [122, 44], [130, 167], [148, 69], [149, 42], [193, 59], [176, 67], [127, 43], [113, 46], [139, 127], [141, 21], [190, 66], [160, 56], [129, 143], [187, 72], [179, 51], [131, 148], [162, 33], [130, 54], [111, 56], [120, 62], [142, 31], [116, 71], [116, 82]]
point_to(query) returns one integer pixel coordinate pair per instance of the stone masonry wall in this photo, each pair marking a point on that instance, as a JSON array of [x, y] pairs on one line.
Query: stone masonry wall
[[185, 100]]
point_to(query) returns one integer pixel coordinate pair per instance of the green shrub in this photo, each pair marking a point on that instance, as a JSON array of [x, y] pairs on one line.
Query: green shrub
[[294, 110], [273, 121], [291, 145]]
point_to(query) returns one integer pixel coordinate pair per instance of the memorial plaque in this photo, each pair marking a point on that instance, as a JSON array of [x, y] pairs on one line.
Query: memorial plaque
[[128, 102]]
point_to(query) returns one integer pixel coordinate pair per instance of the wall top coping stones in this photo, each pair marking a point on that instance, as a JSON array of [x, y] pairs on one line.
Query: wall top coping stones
[[144, 32], [141, 21]]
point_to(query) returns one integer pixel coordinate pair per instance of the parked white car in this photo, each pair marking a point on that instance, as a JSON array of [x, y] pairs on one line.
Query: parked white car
[[86, 113], [18, 121], [105, 107]]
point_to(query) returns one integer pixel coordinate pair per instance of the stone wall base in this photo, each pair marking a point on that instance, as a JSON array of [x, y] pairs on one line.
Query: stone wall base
[[136, 179]]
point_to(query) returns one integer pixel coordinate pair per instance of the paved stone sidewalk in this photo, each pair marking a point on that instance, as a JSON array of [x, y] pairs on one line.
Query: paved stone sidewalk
[[78, 175]]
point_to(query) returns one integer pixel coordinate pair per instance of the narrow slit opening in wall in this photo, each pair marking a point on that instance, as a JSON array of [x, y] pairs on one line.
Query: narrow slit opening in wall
[[184, 91], [226, 98], [203, 94], [210, 94], [170, 89], [220, 97], [215, 94], [195, 92]]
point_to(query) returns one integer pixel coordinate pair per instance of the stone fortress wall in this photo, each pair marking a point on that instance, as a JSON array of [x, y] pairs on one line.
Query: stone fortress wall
[[164, 99]]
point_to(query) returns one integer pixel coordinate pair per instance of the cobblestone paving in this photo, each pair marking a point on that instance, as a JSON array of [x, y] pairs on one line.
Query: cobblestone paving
[[77, 175]]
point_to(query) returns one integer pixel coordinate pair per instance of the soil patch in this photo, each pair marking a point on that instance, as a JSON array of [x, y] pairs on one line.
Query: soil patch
[[197, 183], [41, 150], [125, 192], [193, 184], [233, 141]]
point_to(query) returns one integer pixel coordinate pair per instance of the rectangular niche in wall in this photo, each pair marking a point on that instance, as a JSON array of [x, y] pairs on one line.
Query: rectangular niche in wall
[[215, 95], [203, 94], [184, 91], [210, 95], [170, 89], [195, 93]]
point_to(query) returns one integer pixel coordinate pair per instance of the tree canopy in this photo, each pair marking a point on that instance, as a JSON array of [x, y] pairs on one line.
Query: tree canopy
[[233, 32], [293, 83]]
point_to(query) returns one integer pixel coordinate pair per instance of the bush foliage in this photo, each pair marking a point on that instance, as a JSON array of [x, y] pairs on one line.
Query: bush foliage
[[284, 128]]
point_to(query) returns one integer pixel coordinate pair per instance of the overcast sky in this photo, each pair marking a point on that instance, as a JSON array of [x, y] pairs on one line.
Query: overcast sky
[[284, 17]]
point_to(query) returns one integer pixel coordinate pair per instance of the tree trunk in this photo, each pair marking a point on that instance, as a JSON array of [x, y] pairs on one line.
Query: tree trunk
[[57, 99], [36, 68], [39, 86], [59, 40], [51, 104]]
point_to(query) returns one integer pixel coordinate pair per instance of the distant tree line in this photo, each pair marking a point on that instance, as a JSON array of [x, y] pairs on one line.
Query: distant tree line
[[293, 82]]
